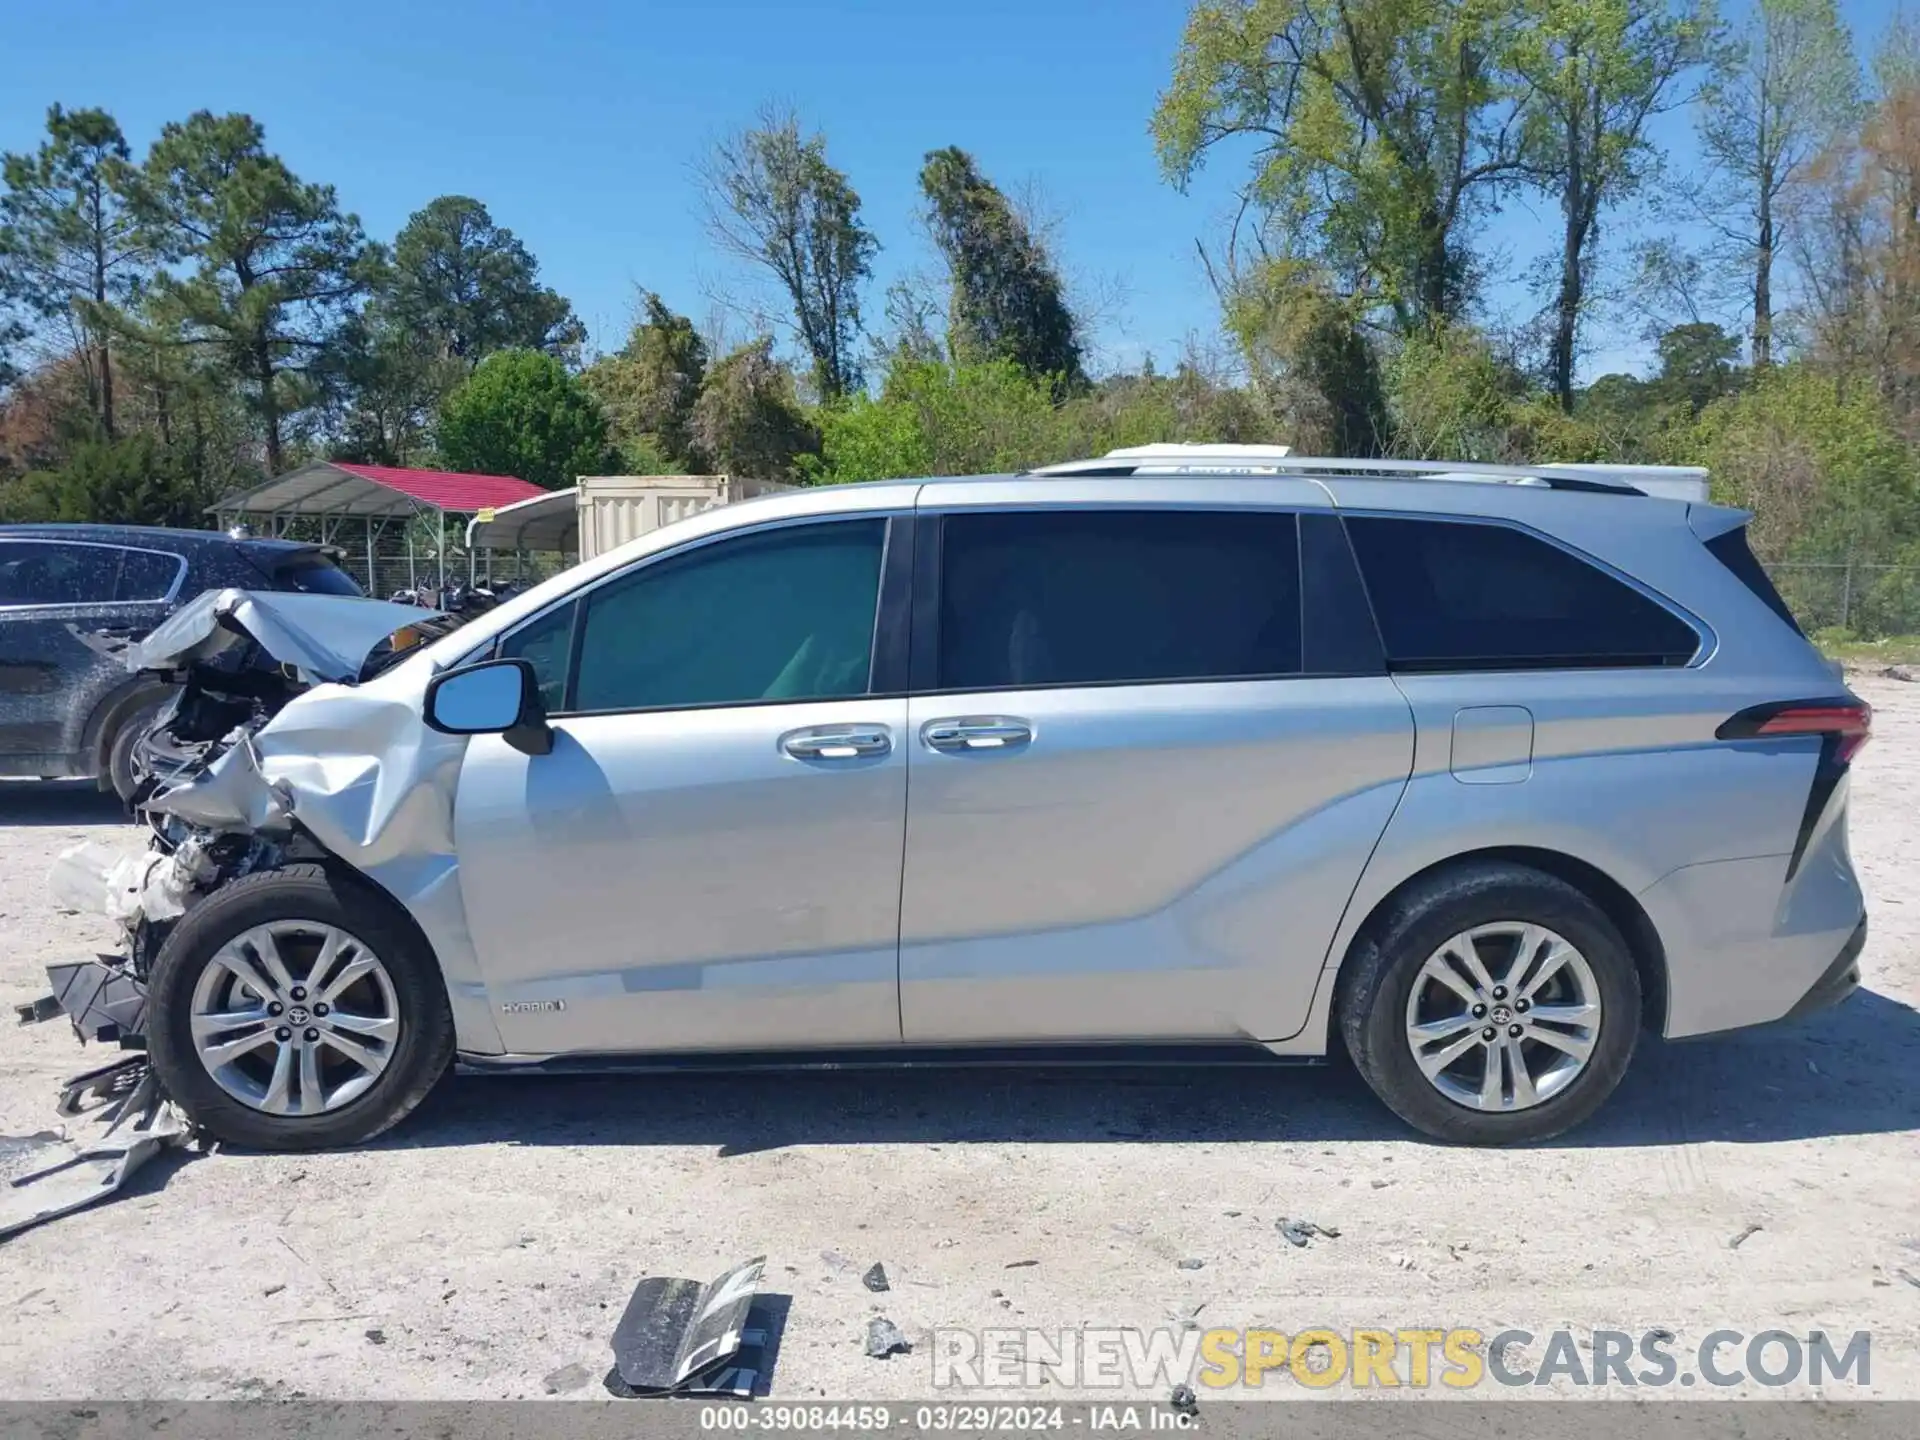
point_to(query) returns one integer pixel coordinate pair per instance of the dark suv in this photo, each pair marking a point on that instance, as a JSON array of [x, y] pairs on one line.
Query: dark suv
[[72, 597]]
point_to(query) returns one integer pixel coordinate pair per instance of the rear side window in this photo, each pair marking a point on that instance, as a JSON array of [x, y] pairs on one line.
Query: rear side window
[[146, 575], [1731, 550], [49, 573], [1113, 597], [316, 575], [1454, 595]]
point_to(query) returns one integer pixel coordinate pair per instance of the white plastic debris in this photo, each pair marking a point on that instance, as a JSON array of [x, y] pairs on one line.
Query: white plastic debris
[[164, 889], [89, 877], [95, 879]]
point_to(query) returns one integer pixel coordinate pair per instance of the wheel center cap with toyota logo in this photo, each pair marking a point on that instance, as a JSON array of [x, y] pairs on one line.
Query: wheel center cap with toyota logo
[[296, 1014]]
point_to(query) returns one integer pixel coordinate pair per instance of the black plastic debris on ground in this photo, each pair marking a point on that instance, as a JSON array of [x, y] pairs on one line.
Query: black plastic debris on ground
[[1184, 1401], [103, 1000], [876, 1279], [1298, 1232], [679, 1337]]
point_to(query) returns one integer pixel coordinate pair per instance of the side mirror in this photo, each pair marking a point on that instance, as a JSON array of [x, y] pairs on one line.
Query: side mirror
[[495, 697]]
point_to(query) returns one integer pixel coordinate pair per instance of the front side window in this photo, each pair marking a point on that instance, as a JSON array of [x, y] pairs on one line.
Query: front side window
[[545, 642], [776, 616], [49, 573], [1457, 595], [1064, 597]]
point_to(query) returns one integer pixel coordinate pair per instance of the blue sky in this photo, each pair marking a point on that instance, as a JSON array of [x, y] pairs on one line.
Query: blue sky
[[577, 123]]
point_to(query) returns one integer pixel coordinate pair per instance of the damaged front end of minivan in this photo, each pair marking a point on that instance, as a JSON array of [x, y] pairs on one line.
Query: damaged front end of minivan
[[274, 749]]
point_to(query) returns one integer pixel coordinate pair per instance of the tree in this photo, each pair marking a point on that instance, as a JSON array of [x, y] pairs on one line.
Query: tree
[[276, 265], [522, 414], [1698, 364], [471, 287], [1595, 72], [1779, 96], [70, 248], [1306, 351], [748, 420], [1380, 130], [133, 481], [1006, 300], [384, 382], [12, 331], [1862, 239], [1450, 397], [648, 387], [774, 202]]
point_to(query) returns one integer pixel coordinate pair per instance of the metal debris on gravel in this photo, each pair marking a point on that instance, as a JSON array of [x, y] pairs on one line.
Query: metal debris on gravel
[[1746, 1234], [681, 1336], [884, 1338]]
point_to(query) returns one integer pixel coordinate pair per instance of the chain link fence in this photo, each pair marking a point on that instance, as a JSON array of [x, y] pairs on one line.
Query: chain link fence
[[1867, 601]]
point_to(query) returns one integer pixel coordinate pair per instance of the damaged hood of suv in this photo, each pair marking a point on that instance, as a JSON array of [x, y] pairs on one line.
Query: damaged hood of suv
[[325, 638], [320, 741]]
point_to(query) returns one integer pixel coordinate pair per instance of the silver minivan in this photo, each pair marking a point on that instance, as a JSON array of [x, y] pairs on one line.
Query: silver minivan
[[1470, 777]]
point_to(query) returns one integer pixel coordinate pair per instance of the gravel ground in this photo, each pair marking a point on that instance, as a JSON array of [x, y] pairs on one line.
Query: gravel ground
[[493, 1240]]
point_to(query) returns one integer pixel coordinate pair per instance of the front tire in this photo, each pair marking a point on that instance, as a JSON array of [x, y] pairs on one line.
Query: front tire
[[118, 774], [297, 1009], [1490, 1004]]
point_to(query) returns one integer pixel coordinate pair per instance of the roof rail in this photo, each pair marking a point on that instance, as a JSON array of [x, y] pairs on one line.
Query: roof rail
[[1277, 460]]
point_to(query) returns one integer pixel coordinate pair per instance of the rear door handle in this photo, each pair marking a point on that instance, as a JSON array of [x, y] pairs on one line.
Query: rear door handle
[[837, 742], [976, 732]]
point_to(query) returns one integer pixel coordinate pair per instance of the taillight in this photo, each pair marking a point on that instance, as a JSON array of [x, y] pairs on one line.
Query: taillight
[[1848, 721]]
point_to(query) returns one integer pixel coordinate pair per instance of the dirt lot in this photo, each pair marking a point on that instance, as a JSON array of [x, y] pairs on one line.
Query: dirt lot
[[495, 1238]]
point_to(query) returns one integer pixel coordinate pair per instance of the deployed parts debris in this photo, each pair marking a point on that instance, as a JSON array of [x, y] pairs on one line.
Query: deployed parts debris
[[102, 998], [126, 1121], [679, 1337]]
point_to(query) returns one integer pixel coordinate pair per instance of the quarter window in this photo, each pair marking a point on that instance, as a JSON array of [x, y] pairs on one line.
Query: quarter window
[[1455, 595], [1110, 597], [146, 575], [777, 616]]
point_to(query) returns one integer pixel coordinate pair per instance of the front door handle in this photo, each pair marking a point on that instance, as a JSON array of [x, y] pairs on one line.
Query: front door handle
[[976, 732], [837, 742]]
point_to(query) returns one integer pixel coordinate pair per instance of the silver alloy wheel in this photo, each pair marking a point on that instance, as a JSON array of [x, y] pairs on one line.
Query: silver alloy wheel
[[295, 1017], [1503, 1016]]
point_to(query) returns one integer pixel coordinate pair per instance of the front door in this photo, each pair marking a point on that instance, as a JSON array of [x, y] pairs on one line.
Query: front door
[[68, 609], [710, 856], [1145, 778]]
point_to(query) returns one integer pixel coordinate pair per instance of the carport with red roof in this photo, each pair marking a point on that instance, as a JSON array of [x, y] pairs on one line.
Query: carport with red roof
[[331, 495]]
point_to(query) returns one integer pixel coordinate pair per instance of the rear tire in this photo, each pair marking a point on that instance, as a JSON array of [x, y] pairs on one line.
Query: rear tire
[[345, 1102], [1419, 941]]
